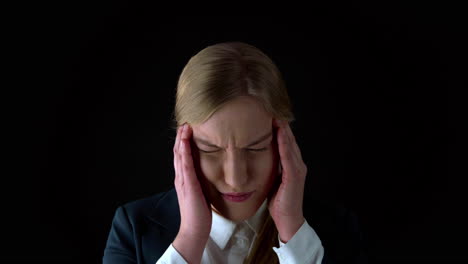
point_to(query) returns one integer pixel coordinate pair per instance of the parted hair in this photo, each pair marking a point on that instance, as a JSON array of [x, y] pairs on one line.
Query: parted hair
[[218, 74]]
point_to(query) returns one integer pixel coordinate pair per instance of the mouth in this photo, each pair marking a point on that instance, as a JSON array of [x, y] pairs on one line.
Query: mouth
[[237, 197]]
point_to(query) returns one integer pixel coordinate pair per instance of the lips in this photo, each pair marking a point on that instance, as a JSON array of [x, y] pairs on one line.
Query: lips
[[237, 197], [237, 193]]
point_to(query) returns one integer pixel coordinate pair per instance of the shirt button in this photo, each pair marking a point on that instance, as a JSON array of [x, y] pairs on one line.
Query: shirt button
[[242, 242]]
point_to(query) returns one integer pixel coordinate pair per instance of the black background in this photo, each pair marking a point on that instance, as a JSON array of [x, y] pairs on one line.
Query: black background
[[376, 91]]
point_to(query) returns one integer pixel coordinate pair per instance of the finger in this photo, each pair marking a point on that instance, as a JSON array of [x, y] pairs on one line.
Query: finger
[[176, 147], [179, 179], [177, 141], [187, 159], [288, 132], [280, 125], [283, 124], [290, 148], [293, 165], [284, 149], [300, 168], [177, 156], [276, 122], [293, 142]]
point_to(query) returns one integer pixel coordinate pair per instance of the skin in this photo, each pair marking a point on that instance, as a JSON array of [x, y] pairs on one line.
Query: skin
[[232, 166], [277, 172]]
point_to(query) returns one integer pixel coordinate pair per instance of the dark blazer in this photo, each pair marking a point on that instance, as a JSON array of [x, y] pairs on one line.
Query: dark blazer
[[143, 229]]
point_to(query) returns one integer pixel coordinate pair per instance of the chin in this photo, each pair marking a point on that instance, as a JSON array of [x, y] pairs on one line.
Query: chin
[[238, 216], [236, 212]]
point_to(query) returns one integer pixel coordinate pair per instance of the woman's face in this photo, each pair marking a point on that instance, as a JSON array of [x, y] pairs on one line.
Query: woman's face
[[234, 164]]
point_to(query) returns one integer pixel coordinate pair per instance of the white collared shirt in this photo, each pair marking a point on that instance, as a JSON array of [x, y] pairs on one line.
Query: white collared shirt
[[231, 243]]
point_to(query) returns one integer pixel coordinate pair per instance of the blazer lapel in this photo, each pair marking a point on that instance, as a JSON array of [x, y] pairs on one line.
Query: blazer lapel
[[165, 212]]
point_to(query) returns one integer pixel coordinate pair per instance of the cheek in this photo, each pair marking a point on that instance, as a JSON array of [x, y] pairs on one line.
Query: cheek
[[260, 163], [209, 177], [210, 173], [264, 168], [209, 166], [205, 169]]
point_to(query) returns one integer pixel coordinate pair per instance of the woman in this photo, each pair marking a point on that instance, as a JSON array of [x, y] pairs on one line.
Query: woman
[[239, 176]]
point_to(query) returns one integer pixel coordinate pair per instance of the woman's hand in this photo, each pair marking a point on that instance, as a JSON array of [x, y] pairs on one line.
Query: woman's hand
[[285, 205], [195, 212]]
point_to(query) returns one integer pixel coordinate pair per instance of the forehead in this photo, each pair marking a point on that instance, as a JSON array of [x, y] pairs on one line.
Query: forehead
[[240, 120]]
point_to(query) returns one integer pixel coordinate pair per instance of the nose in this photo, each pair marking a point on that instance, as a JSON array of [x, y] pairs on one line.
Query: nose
[[235, 171]]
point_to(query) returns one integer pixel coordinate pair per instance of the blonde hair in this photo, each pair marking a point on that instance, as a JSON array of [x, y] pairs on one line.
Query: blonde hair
[[218, 74]]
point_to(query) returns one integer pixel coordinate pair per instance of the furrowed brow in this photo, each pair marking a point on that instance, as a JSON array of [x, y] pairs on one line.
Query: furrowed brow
[[259, 140], [209, 144]]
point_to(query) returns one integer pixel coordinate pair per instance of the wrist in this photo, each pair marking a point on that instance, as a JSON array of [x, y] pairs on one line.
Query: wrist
[[287, 231], [190, 246], [194, 233]]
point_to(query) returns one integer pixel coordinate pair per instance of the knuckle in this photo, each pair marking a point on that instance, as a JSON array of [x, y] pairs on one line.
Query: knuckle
[[303, 170], [183, 163], [288, 155], [298, 170], [182, 146], [177, 184], [293, 138], [175, 150], [186, 166]]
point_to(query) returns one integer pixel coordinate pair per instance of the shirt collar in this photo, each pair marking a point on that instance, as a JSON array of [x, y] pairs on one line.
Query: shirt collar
[[223, 228]]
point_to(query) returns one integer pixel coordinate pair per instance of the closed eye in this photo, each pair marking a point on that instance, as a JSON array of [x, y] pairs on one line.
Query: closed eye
[[262, 149], [208, 151], [255, 150]]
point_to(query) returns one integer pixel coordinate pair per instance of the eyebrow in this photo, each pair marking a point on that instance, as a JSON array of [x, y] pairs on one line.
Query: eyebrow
[[207, 143]]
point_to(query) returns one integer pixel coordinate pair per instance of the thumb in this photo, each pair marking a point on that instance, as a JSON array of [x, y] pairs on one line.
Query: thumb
[[276, 184]]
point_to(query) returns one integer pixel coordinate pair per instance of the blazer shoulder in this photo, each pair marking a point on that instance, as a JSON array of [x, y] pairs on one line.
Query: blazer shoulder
[[147, 205], [160, 210], [142, 229]]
